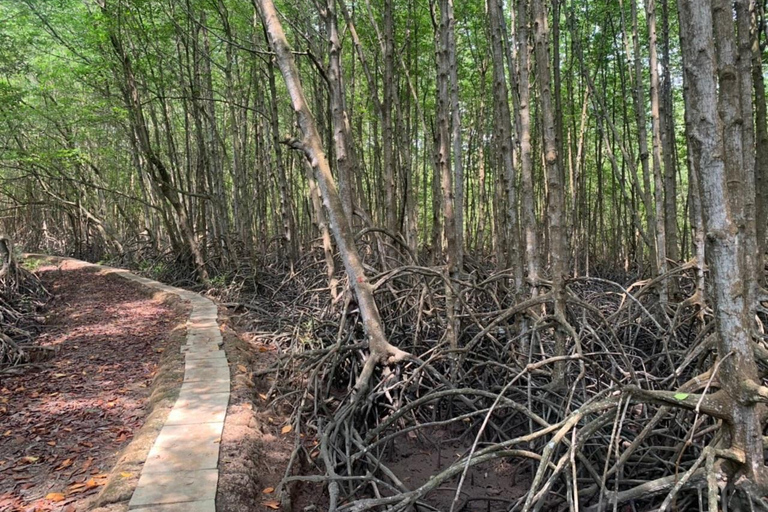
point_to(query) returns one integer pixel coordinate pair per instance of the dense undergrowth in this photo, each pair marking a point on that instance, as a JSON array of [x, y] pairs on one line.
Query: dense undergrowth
[[590, 439], [593, 438], [22, 299]]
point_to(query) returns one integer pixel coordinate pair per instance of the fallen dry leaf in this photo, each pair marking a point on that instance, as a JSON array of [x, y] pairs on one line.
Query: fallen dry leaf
[[273, 504], [126, 474], [65, 464], [76, 488], [55, 496], [268, 490], [242, 368], [286, 429]]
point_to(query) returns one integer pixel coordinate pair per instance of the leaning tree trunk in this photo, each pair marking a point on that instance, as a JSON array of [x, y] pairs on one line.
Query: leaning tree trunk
[[381, 351]]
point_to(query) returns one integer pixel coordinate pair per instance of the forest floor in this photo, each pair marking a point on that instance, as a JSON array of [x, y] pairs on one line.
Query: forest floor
[[64, 422]]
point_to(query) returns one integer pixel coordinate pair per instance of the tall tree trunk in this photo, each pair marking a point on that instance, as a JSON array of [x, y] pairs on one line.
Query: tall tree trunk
[[504, 140], [556, 199], [658, 171], [642, 137], [346, 164], [668, 147], [528, 212], [458, 166], [289, 242], [387, 121], [712, 97], [446, 55]]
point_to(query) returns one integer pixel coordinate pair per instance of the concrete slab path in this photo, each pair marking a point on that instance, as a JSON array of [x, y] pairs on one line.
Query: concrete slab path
[[181, 471]]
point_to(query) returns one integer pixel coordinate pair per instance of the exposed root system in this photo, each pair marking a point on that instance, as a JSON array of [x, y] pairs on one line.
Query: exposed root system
[[22, 297], [631, 420]]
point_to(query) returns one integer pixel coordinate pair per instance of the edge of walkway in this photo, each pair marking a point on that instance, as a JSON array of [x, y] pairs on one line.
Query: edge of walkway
[[181, 471]]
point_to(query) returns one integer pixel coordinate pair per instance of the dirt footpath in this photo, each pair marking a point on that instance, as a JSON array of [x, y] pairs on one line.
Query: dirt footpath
[[64, 422]]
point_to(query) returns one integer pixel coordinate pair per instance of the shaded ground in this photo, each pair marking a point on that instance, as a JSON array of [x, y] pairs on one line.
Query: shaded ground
[[63, 422]]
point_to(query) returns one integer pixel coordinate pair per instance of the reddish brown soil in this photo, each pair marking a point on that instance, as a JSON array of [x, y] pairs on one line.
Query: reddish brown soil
[[63, 422], [254, 452]]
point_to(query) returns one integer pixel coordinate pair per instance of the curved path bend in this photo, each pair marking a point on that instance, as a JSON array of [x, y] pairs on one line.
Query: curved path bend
[[181, 471]]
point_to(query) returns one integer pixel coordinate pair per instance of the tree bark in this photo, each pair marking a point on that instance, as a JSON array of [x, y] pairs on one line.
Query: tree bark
[[713, 108], [505, 142], [658, 171], [556, 199], [528, 212]]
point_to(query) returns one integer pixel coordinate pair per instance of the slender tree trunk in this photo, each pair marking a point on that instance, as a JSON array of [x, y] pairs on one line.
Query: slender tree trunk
[[345, 160], [556, 198], [505, 141], [528, 212], [658, 171], [286, 209], [458, 166], [668, 147], [446, 55], [642, 138], [387, 122]]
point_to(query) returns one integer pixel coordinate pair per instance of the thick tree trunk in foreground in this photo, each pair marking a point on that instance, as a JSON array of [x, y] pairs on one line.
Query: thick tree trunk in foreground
[[715, 143], [381, 351]]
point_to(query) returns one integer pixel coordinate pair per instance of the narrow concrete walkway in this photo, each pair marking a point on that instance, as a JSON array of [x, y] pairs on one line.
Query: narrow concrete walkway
[[181, 471]]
